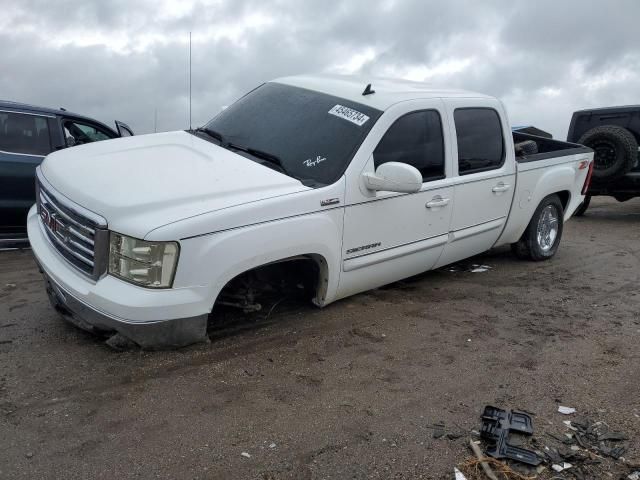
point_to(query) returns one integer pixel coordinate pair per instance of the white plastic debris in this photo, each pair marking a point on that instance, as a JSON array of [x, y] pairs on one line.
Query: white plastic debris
[[245, 455], [568, 424], [566, 410], [459, 474], [272, 445], [634, 476], [480, 269], [560, 468]]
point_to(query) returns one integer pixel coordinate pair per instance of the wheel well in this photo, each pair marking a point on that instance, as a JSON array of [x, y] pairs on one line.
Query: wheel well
[[564, 196], [302, 274]]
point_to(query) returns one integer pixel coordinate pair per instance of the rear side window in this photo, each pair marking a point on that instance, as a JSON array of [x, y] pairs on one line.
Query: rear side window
[[480, 142], [415, 139], [25, 134], [77, 133]]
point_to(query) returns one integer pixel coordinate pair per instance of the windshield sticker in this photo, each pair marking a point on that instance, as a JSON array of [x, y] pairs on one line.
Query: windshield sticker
[[349, 114], [310, 162]]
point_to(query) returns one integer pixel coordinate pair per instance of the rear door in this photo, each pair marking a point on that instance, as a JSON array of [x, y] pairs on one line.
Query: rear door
[[484, 178], [24, 141], [389, 236]]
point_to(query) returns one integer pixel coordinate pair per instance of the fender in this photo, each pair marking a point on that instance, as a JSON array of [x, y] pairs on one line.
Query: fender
[[215, 259]]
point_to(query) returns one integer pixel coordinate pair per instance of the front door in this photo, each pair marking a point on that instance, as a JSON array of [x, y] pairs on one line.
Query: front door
[[389, 236], [484, 184]]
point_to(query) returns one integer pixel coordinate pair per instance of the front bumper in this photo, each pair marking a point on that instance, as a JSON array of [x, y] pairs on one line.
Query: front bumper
[[153, 335], [153, 319]]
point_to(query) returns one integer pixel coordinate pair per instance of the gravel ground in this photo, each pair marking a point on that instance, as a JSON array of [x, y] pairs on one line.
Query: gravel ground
[[350, 391]]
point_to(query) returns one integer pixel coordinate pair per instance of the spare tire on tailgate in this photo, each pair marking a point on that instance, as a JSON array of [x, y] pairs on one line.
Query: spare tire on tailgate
[[615, 150]]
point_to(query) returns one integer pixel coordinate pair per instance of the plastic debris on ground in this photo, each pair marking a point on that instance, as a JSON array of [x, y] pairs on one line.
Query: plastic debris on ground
[[468, 267], [566, 410], [459, 475], [480, 269], [577, 449], [560, 468]]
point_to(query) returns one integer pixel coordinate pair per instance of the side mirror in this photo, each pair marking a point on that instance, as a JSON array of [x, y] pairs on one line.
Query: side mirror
[[394, 177]]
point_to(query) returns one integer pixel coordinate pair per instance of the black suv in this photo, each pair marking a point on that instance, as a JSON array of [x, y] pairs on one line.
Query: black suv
[[613, 133], [27, 135]]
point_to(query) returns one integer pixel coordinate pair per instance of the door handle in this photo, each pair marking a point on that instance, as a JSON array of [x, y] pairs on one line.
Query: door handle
[[501, 187], [437, 201]]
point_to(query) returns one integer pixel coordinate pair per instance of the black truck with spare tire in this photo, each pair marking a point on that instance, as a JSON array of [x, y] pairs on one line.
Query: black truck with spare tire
[[613, 133]]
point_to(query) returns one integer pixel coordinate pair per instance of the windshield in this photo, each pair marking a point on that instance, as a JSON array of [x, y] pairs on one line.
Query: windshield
[[309, 135]]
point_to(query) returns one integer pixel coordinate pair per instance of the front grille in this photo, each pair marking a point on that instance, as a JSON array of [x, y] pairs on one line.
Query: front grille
[[78, 234]]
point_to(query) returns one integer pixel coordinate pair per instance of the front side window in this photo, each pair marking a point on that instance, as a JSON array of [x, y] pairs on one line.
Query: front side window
[[415, 139], [25, 134], [77, 133], [480, 142], [308, 135]]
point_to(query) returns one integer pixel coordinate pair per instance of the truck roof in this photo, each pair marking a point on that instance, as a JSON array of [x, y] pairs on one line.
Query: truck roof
[[387, 91], [621, 108]]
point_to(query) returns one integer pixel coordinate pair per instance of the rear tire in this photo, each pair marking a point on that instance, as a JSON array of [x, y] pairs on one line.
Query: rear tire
[[580, 211], [615, 150], [541, 239]]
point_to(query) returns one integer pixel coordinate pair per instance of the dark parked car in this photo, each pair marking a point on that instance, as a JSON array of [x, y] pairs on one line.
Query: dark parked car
[[613, 133], [27, 135]]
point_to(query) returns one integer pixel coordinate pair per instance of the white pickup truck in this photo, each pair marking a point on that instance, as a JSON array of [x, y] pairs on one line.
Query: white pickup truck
[[320, 181]]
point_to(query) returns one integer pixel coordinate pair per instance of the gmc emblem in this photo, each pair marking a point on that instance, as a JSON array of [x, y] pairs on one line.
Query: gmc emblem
[[48, 219]]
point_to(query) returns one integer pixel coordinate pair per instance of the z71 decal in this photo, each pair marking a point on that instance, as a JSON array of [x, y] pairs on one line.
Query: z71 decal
[[349, 114]]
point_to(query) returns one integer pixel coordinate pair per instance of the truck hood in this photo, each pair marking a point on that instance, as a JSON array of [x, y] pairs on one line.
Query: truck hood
[[144, 182]]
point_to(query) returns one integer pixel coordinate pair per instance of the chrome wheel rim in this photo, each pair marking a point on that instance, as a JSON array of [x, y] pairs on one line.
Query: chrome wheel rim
[[547, 231]]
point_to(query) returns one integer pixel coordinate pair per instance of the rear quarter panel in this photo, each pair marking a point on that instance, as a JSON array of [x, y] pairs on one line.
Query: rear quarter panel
[[539, 179]]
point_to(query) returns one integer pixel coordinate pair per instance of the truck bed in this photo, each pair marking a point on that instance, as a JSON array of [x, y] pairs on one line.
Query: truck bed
[[547, 147], [550, 171]]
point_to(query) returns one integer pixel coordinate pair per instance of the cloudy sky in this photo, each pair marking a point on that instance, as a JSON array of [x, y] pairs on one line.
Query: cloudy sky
[[123, 59]]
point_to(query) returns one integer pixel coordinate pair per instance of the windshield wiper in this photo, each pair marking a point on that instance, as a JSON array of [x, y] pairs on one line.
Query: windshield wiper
[[269, 157], [224, 143], [213, 134]]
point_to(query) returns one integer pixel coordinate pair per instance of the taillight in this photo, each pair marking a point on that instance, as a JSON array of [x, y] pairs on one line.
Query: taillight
[[587, 181]]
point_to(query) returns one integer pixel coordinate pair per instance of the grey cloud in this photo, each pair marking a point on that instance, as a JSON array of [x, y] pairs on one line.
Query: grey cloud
[[539, 57]]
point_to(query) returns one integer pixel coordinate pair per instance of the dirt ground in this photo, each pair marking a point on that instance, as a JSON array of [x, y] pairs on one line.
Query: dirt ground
[[350, 391]]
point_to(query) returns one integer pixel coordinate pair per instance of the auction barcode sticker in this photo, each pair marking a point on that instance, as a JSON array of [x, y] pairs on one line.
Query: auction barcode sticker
[[349, 114]]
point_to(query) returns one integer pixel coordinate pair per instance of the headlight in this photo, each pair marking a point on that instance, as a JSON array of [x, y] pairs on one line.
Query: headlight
[[149, 264]]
